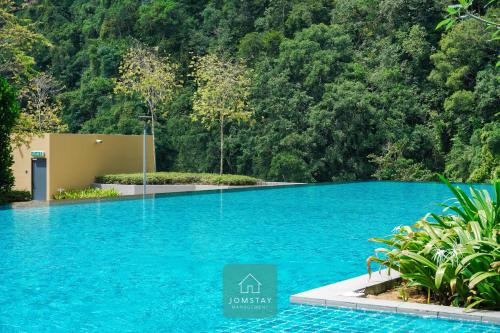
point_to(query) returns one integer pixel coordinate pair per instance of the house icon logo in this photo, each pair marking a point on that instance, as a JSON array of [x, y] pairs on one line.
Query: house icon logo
[[250, 290], [250, 285]]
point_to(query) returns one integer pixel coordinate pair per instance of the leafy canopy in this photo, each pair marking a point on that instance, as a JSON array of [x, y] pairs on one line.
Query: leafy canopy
[[146, 74], [18, 40]]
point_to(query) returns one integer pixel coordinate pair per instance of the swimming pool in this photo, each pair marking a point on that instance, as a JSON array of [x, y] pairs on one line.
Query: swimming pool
[[327, 319], [156, 264]]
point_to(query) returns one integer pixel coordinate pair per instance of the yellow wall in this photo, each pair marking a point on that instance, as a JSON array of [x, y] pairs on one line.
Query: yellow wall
[[74, 160]]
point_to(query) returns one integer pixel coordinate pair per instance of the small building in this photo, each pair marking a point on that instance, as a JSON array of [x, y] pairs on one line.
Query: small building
[[55, 162]]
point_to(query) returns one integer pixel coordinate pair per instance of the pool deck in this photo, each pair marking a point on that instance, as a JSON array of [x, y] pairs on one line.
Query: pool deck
[[351, 294]]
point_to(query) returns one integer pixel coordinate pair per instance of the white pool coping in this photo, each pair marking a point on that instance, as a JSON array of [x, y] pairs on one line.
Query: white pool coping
[[350, 294], [180, 188]]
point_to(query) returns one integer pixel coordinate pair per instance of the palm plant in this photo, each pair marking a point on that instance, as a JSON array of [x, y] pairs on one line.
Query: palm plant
[[455, 256]]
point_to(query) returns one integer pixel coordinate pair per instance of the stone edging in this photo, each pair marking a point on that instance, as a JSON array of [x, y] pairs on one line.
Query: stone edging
[[350, 294]]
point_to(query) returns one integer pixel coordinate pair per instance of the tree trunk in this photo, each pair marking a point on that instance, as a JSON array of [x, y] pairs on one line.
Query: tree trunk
[[153, 135], [221, 145]]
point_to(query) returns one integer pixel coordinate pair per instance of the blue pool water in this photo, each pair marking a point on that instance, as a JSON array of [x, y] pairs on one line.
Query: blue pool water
[[322, 319], [155, 265]]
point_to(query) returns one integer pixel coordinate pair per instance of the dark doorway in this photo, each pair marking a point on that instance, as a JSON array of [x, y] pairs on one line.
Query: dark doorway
[[39, 178]]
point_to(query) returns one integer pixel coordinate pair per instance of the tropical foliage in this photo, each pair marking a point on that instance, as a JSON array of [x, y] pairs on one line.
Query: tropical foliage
[[463, 10], [9, 112], [341, 89], [163, 178], [18, 42], [455, 256]]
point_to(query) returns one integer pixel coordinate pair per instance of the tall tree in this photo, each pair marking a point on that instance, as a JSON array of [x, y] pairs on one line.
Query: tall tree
[[149, 76], [9, 111], [41, 109], [222, 94]]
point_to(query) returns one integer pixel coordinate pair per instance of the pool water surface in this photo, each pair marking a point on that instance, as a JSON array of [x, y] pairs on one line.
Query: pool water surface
[[155, 265], [298, 318]]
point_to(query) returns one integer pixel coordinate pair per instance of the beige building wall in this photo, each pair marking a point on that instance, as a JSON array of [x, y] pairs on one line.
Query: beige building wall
[[74, 160]]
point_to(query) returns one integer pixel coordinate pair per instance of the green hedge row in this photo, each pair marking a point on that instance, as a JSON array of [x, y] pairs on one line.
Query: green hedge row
[[165, 178], [87, 193]]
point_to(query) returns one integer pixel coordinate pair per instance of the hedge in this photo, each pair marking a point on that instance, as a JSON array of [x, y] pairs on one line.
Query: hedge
[[14, 196], [166, 178], [87, 193]]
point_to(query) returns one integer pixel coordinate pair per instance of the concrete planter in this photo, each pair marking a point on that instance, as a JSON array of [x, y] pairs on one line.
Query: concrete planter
[[351, 294], [155, 189]]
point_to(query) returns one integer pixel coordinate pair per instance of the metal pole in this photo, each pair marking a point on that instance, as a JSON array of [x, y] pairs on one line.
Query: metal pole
[[144, 169]]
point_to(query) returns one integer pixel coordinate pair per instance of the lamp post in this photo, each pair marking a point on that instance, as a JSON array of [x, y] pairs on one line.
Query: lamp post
[[144, 159]]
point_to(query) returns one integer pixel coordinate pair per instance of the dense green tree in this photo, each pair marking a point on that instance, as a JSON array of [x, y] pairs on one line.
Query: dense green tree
[[463, 51], [84, 103], [9, 111], [346, 127], [289, 167], [18, 41], [343, 89]]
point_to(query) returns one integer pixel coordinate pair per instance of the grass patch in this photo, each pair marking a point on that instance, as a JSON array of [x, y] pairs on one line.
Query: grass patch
[[168, 178], [87, 193], [14, 196]]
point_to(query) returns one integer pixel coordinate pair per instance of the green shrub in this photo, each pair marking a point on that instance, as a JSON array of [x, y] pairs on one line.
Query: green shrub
[[14, 196], [454, 256], [165, 178], [87, 193]]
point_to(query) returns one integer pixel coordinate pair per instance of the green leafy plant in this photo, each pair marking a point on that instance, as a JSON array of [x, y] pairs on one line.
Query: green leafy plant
[[87, 193], [455, 256], [165, 178]]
